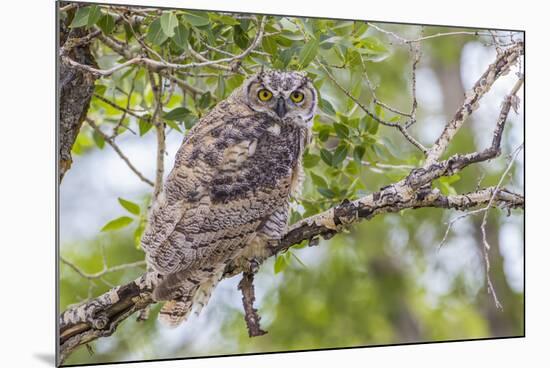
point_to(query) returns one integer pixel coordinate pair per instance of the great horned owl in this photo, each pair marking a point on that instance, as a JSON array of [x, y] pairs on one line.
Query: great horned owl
[[227, 197]]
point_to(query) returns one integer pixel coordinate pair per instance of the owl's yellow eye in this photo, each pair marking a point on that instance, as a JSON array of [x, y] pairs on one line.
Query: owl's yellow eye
[[264, 95], [297, 96]]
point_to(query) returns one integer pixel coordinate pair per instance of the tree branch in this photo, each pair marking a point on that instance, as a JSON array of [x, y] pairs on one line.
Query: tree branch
[[246, 286], [499, 67], [100, 316]]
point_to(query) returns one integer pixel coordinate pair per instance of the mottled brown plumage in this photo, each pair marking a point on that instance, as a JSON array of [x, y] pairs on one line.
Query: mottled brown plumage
[[228, 193]]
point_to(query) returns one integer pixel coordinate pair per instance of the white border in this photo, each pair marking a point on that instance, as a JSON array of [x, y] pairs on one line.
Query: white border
[[27, 181]]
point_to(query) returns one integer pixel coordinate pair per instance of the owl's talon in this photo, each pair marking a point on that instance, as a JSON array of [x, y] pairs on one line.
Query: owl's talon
[[253, 265]]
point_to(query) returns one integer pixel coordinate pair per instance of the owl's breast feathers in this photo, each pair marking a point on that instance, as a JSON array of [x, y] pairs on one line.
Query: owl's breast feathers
[[234, 170]]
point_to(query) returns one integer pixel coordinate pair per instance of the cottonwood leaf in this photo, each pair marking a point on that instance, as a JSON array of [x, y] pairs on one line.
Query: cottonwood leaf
[[131, 207], [117, 223], [181, 35], [168, 21], [155, 34], [106, 23], [308, 53], [196, 19], [178, 114]]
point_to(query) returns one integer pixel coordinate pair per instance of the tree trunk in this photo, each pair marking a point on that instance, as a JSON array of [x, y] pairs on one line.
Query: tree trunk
[[75, 92]]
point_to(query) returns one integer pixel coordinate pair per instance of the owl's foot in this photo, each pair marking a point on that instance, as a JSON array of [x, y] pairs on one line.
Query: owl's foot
[[253, 265]]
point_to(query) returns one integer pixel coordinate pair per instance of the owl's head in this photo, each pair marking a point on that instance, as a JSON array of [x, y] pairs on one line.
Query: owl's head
[[286, 96]]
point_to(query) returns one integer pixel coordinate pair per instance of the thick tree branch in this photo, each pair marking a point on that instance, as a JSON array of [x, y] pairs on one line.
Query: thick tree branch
[[101, 316]]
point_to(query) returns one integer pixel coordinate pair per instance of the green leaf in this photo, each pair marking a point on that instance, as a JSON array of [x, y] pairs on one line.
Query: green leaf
[[374, 45], [81, 17], [131, 207], [373, 126], [178, 114], [318, 180], [100, 89], [98, 139], [339, 155], [155, 35], [240, 37], [128, 32], [93, 15], [168, 21], [144, 127], [117, 223], [325, 192], [227, 20], [308, 53], [196, 19], [324, 134], [326, 156], [181, 36], [281, 263], [310, 160], [326, 107], [234, 82], [204, 101], [172, 124], [341, 130], [358, 153], [106, 23], [270, 46], [190, 121]]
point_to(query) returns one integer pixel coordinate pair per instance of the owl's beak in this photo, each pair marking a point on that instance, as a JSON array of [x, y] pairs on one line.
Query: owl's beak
[[280, 108]]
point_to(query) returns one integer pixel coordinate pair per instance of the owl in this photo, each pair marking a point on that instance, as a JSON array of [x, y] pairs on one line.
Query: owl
[[226, 199]]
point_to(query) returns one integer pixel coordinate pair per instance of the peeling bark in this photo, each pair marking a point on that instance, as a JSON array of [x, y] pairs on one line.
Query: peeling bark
[[75, 89]]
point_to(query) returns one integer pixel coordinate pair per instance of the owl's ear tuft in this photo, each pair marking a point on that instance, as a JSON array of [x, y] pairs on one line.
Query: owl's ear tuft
[[261, 74]]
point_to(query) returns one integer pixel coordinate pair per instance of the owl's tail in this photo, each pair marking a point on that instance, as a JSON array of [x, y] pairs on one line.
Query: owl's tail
[[189, 293]]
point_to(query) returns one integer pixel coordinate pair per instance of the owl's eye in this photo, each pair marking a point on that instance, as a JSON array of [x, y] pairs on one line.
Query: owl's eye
[[297, 96], [264, 95]]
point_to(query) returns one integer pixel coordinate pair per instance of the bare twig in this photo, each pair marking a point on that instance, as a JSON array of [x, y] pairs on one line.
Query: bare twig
[[160, 130], [110, 141], [403, 40], [486, 245], [398, 126], [246, 286], [104, 271], [499, 67]]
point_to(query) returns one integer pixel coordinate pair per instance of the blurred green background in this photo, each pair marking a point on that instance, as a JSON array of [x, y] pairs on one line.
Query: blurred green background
[[384, 281]]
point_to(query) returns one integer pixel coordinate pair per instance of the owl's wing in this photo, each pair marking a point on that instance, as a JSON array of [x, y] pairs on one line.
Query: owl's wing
[[213, 200]]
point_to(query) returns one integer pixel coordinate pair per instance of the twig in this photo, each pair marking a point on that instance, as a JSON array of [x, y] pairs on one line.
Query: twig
[[498, 68], [486, 245], [403, 40], [246, 286], [110, 141], [415, 49], [125, 110], [161, 134], [399, 127], [104, 271]]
